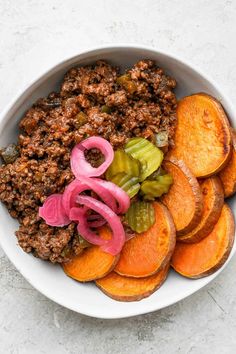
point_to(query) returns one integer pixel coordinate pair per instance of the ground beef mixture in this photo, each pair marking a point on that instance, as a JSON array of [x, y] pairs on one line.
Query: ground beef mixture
[[93, 100]]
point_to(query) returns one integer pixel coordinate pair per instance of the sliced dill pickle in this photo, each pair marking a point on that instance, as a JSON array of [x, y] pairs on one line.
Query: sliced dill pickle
[[123, 162], [128, 183], [148, 154], [154, 189], [159, 172], [140, 216]]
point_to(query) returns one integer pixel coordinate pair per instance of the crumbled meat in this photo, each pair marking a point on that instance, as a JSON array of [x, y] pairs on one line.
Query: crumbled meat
[[140, 104]]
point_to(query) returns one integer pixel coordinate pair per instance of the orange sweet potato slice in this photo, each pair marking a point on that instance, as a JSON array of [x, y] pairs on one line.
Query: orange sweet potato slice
[[184, 199], [201, 259], [92, 264], [149, 251], [202, 137], [228, 174], [213, 200], [126, 289]]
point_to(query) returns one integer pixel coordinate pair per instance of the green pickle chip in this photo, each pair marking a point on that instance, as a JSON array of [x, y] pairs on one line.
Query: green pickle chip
[[128, 183], [154, 189], [148, 154], [140, 216], [122, 162]]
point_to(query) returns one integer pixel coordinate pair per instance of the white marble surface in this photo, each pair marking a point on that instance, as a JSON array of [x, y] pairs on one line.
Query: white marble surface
[[33, 34]]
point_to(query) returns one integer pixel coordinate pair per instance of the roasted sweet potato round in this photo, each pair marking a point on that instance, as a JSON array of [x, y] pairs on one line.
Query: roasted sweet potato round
[[131, 289], [149, 251], [92, 263], [184, 199], [213, 200], [228, 174], [201, 259], [202, 137]]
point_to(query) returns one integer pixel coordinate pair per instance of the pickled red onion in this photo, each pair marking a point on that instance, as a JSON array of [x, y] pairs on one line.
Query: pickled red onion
[[79, 214], [97, 186], [118, 193], [53, 211], [76, 187], [94, 220], [81, 167], [112, 246]]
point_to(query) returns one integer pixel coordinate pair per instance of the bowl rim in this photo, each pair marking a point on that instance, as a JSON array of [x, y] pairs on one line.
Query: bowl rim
[[14, 104]]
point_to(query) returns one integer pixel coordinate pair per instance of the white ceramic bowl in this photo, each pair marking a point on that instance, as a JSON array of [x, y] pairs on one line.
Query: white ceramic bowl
[[50, 279]]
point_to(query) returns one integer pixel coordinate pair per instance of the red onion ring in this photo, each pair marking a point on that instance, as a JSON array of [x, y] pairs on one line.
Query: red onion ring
[[79, 164], [112, 246], [118, 193], [53, 211], [76, 187]]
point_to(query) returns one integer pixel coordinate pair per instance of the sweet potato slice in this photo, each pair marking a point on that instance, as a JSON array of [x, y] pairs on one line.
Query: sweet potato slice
[[228, 174], [213, 200], [201, 259], [202, 137], [131, 289], [149, 251], [184, 199], [92, 264]]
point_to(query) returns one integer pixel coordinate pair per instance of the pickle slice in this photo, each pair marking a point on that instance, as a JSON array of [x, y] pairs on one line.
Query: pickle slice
[[128, 183], [155, 189], [123, 162], [148, 154], [140, 216]]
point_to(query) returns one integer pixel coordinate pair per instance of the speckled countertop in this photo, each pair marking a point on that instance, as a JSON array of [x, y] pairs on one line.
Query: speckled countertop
[[33, 34]]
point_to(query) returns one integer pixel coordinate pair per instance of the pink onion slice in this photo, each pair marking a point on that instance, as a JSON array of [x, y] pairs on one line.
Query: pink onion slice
[[70, 194], [79, 214], [53, 211], [94, 220], [119, 194], [81, 167], [96, 185], [112, 246], [76, 187]]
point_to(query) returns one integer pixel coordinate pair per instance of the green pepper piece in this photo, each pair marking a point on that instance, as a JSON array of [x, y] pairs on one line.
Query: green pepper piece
[[154, 189], [80, 119], [148, 154], [9, 154], [161, 139], [106, 109], [83, 243], [123, 162], [140, 216], [128, 183], [128, 84]]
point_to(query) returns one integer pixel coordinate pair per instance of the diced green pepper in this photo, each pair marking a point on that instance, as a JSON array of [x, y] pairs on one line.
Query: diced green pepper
[[80, 119], [140, 216], [148, 154], [106, 109], [161, 139], [9, 154], [83, 243], [128, 84]]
